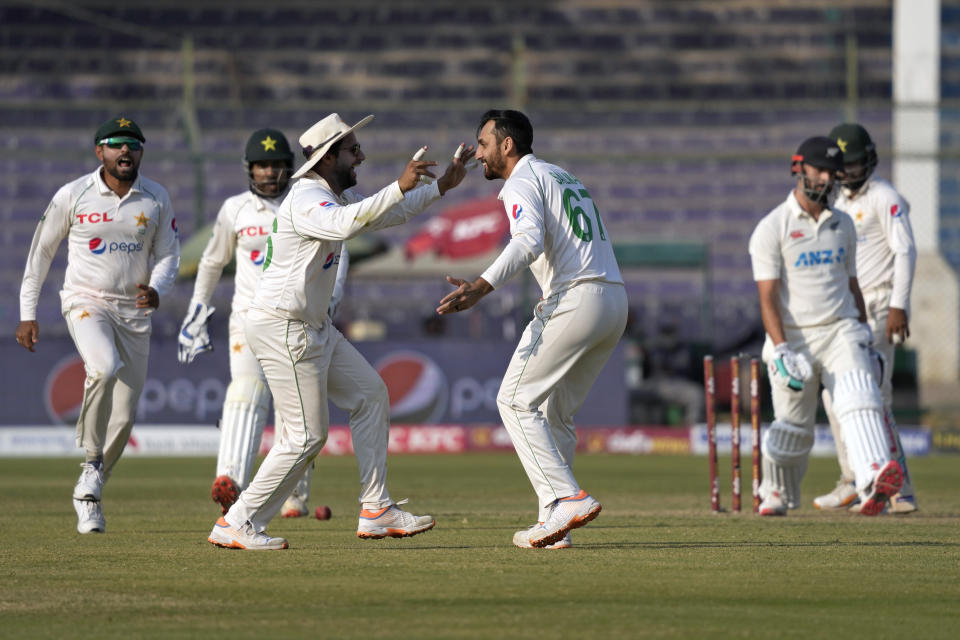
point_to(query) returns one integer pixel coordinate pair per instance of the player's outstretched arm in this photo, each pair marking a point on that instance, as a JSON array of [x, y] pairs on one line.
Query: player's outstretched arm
[[414, 170], [28, 333], [456, 170], [466, 295]]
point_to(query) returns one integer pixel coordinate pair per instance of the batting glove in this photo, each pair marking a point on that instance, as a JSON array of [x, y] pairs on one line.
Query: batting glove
[[194, 339], [788, 368]]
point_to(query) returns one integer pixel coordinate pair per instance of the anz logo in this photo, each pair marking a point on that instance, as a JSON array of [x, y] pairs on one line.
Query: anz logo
[[815, 258]]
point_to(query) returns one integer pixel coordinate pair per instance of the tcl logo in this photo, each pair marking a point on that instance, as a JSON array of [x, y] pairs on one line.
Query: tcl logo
[[253, 231], [93, 218]]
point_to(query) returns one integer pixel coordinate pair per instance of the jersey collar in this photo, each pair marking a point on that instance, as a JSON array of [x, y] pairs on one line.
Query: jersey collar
[[522, 162], [105, 190]]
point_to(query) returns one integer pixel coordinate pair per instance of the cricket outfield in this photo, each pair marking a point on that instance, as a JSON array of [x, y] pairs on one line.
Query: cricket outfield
[[656, 563]]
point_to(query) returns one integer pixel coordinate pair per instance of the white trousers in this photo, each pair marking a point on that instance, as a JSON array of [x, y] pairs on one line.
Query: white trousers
[[560, 355], [114, 349], [832, 350], [305, 367], [877, 301], [243, 362]]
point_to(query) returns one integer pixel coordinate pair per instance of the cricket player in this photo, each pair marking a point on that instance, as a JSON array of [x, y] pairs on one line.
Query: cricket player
[[242, 227], [556, 231], [804, 261], [304, 357], [117, 224], [886, 258]]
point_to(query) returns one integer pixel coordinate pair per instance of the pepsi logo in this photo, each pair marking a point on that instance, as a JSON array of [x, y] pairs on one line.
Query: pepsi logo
[[517, 210], [173, 225], [98, 246], [329, 261], [63, 390], [895, 210], [327, 203], [256, 257], [416, 385]]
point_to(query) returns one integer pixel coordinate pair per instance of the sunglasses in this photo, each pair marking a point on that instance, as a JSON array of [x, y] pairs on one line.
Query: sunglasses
[[117, 143]]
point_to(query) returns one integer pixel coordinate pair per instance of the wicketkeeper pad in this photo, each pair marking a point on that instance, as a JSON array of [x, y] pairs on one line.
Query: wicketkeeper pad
[[241, 428]]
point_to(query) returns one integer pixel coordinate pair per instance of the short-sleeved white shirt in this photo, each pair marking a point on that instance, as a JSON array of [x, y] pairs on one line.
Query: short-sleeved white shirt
[[813, 260]]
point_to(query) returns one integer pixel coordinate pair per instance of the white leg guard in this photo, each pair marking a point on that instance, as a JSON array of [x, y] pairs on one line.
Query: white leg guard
[[859, 410], [241, 428], [786, 449]]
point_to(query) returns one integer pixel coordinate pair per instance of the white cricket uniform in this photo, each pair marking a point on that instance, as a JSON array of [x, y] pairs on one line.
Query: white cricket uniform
[[556, 230], [113, 244], [814, 261], [243, 225], [305, 358], [886, 258]]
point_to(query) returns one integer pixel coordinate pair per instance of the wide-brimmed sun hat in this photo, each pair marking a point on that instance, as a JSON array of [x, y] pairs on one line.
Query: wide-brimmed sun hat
[[318, 139]]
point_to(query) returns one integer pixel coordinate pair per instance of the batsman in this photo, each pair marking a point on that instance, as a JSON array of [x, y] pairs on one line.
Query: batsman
[[804, 262]]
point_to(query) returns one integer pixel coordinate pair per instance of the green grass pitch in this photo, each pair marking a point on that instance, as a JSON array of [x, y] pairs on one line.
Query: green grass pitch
[[655, 564]]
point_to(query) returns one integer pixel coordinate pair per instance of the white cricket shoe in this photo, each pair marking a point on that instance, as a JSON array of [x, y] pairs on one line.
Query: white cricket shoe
[[392, 521], [90, 483], [89, 516], [901, 504], [844, 495], [773, 505], [885, 484], [228, 537], [567, 513], [522, 539], [294, 507]]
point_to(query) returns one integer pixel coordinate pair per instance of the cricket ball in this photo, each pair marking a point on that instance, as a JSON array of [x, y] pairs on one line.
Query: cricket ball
[[322, 512]]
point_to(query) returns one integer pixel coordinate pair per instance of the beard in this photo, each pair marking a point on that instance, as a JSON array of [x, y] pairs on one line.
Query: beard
[[493, 168], [123, 174], [345, 177]]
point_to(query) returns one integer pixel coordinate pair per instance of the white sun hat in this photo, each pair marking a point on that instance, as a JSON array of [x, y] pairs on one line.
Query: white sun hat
[[318, 139]]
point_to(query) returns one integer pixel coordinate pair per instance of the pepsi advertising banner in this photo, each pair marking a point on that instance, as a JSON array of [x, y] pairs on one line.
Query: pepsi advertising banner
[[429, 382]]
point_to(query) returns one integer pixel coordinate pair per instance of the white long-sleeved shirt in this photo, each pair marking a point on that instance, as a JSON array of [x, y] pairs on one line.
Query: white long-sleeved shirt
[[886, 253], [813, 260], [304, 248], [555, 229], [113, 244], [242, 227]]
